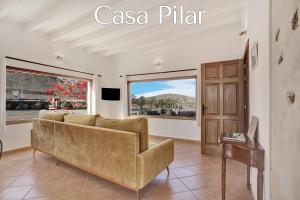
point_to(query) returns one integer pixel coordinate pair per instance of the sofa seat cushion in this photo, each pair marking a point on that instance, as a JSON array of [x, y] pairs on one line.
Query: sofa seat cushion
[[136, 125], [51, 115], [88, 120]]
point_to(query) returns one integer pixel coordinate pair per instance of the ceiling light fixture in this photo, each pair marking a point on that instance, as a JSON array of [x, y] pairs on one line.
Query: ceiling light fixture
[[59, 58], [158, 65], [243, 33]]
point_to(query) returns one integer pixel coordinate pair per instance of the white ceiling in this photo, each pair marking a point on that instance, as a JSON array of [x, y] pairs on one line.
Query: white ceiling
[[72, 22]]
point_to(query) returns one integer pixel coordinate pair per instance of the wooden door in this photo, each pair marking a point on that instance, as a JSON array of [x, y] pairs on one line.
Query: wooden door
[[222, 99], [246, 86]]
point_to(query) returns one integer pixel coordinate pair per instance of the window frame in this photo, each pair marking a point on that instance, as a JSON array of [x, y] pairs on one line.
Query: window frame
[[43, 73], [162, 79]]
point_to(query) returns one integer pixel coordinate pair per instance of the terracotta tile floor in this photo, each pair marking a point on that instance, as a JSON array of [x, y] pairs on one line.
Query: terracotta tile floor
[[192, 177]]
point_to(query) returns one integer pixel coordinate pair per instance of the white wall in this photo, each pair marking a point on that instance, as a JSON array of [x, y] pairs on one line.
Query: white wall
[[17, 136], [285, 126], [2, 99], [257, 24], [16, 42], [218, 45], [182, 129]]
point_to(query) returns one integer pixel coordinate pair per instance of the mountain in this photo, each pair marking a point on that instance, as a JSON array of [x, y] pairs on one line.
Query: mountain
[[27, 86], [188, 103], [30, 82]]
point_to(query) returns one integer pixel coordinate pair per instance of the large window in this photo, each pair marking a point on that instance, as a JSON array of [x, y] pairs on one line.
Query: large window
[[28, 92], [168, 98]]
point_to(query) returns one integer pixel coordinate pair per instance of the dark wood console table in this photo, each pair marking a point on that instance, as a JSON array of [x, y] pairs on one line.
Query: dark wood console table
[[249, 153]]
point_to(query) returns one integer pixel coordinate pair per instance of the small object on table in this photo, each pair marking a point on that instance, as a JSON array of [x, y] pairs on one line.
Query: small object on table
[[234, 137], [248, 152]]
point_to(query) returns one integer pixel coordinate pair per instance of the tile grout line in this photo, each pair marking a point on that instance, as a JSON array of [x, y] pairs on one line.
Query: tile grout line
[[187, 187], [184, 187], [181, 181], [27, 192]]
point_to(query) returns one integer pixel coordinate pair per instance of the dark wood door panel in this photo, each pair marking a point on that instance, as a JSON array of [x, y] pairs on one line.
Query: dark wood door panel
[[212, 99], [230, 70], [212, 72], [231, 126], [231, 98], [212, 126]]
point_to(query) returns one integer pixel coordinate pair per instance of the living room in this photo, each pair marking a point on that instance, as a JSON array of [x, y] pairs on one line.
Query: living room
[[168, 71]]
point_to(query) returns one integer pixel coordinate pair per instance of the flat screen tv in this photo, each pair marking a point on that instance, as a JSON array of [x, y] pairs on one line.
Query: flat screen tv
[[110, 94]]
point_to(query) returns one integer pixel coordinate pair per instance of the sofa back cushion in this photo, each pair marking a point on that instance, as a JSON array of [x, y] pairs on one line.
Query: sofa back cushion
[[50, 115], [88, 120], [136, 125]]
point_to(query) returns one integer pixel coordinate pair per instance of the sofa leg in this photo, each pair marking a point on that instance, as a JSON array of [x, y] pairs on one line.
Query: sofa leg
[[138, 195], [168, 170]]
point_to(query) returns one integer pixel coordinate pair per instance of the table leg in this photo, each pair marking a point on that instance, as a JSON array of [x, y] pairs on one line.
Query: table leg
[[223, 176], [248, 176], [260, 181], [1, 148]]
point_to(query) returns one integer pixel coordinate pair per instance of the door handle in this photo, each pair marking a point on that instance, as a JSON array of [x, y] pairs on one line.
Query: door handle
[[203, 109]]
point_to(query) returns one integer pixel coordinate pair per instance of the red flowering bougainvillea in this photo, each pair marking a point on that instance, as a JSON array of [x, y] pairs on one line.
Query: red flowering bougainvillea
[[68, 94]]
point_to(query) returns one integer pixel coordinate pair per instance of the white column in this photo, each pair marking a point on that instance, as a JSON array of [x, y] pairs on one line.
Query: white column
[[124, 97], [89, 98], [2, 96], [95, 94]]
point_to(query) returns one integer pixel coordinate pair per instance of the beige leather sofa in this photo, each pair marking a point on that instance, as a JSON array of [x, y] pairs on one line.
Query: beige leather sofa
[[116, 150]]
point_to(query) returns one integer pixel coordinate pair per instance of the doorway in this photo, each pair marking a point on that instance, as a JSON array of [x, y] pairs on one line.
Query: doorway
[[223, 101]]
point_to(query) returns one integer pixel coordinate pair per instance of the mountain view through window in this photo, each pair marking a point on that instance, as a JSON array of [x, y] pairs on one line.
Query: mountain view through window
[[174, 98]]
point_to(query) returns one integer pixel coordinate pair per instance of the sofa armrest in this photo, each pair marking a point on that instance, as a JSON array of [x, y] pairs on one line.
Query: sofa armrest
[[42, 136], [153, 161]]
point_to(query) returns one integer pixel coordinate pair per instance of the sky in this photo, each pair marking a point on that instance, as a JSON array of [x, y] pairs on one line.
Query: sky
[[185, 87]]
